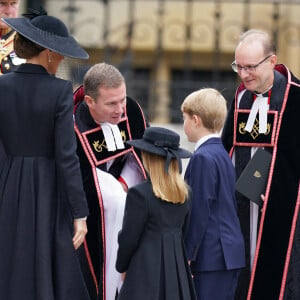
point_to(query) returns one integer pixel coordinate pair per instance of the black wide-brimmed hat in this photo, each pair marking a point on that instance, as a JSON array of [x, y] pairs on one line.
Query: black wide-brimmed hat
[[163, 142], [48, 32]]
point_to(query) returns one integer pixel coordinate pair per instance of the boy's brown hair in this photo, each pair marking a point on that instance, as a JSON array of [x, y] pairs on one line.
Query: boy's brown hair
[[209, 105]]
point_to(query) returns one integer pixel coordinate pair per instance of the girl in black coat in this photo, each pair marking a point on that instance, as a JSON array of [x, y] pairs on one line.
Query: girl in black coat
[[151, 249]]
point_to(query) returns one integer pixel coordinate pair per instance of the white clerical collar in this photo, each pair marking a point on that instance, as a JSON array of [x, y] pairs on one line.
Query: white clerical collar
[[260, 106], [205, 138], [112, 136]]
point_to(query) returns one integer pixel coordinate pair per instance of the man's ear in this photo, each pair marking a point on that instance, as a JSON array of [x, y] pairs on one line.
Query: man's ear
[[89, 100], [273, 60]]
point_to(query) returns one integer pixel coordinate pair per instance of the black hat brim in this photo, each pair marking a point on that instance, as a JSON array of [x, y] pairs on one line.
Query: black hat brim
[[149, 147], [66, 46]]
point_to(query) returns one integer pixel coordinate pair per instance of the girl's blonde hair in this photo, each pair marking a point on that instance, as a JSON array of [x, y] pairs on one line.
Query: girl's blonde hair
[[169, 186]]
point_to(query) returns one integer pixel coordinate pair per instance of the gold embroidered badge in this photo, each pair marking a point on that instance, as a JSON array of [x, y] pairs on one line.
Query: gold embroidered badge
[[254, 133], [99, 147]]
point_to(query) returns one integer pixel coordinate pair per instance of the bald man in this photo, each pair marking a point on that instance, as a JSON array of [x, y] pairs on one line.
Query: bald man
[[264, 114]]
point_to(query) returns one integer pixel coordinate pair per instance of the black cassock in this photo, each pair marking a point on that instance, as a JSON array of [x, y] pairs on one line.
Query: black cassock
[[275, 273], [92, 152]]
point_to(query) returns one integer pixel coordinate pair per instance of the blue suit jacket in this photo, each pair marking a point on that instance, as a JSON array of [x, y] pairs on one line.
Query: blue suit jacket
[[214, 240]]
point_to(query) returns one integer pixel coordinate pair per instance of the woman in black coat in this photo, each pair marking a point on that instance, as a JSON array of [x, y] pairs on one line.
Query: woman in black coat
[[151, 249], [42, 202]]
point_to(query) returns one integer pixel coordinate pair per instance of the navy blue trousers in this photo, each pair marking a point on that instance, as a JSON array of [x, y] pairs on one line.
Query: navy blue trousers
[[216, 285]]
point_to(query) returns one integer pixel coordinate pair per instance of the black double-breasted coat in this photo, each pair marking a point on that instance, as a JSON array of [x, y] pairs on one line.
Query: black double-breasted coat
[[151, 249], [40, 188]]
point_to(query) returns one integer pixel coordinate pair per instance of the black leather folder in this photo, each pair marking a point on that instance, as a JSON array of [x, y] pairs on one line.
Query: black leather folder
[[253, 180]]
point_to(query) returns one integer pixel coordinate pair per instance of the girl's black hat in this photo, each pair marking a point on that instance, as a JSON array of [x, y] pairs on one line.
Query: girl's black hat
[[163, 142]]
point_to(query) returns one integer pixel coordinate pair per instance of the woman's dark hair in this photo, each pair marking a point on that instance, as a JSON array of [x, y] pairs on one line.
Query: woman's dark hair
[[25, 48]]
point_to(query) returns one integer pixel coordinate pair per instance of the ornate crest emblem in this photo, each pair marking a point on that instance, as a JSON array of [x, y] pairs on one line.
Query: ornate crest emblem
[[99, 147], [254, 133]]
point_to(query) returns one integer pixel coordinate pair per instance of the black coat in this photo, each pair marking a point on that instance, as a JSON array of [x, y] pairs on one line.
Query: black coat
[[151, 249], [40, 188]]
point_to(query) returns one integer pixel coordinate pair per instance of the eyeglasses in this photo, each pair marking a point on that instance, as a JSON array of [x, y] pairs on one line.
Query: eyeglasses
[[249, 69]]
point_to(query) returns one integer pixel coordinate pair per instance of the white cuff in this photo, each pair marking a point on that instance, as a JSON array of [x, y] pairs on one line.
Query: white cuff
[[81, 219]]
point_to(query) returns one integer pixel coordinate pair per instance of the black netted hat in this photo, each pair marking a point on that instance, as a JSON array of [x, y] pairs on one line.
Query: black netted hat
[[48, 32]]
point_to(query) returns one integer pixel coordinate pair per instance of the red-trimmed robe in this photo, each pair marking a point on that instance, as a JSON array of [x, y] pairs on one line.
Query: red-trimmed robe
[[93, 155], [276, 268]]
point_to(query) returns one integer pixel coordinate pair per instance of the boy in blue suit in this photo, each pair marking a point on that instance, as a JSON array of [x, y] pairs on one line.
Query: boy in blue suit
[[214, 241]]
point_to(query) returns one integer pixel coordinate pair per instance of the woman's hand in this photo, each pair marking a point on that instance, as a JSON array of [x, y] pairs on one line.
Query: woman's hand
[[80, 230]]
